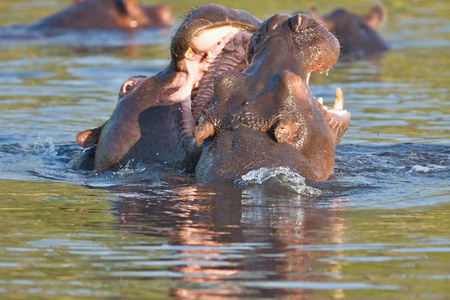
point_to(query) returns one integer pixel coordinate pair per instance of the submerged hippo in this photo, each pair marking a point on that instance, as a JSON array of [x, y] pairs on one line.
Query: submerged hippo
[[155, 117], [357, 35], [267, 116], [108, 14]]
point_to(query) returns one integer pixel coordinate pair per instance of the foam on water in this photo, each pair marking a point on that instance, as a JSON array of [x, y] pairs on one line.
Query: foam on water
[[426, 169], [279, 177]]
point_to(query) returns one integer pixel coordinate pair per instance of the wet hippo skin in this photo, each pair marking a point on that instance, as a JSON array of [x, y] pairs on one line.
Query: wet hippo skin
[[357, 34], [108, 14], [155, 117], [267, 116]]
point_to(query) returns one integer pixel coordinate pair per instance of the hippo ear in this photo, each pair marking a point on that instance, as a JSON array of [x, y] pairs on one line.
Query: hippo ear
[[132, 9], [376, 16], [89, 138], [315, 14], [296, 22], [127, 7]]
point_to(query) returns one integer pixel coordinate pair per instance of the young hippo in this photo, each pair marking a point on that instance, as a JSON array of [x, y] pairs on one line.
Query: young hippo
[[267, 116], [155, 117], [108, 14], [357, 35]]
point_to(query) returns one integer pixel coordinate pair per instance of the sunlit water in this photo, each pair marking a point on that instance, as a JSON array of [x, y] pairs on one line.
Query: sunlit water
[[378, 229]]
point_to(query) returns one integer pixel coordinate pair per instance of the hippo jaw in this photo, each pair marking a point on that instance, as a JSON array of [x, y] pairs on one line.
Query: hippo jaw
[[293, 121], [337, 118]]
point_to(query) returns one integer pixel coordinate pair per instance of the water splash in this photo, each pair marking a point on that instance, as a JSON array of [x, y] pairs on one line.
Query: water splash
[[46, 147], [130, 168], [279, 177], [426, 169]]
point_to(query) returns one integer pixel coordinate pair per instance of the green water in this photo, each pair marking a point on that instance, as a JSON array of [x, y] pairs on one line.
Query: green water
[[380, 229]]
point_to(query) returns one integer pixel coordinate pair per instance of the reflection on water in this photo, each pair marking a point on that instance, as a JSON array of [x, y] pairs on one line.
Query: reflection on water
[[377, 230], [218, 241]]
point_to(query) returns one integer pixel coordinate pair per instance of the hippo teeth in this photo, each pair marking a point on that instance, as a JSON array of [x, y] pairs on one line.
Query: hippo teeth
[[209, 56], [339, 101], [338, 106], [189, 53]]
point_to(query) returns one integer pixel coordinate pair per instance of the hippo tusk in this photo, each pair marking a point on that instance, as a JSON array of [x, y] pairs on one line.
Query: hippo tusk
[[320, 100], [203, 131], [339, 102]]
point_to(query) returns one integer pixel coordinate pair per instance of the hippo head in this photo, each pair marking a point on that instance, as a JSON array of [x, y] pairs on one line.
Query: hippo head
[[357, 35], [267, 116], [108, 14], [155, 117]]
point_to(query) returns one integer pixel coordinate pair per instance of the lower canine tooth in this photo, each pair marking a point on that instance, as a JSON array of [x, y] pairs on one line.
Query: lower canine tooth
[[320, 100], [339, 102]]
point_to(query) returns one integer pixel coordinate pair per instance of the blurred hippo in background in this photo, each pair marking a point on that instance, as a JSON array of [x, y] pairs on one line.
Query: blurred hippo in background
[[357, 35], [267, 116], [107, 14], [155, 118]]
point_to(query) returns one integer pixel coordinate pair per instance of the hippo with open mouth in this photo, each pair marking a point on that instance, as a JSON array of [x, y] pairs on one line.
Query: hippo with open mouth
[[261, 115], [266, 116], [107, 14], [155, 118]]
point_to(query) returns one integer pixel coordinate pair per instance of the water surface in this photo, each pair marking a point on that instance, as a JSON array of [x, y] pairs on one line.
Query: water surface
[[378, 229]]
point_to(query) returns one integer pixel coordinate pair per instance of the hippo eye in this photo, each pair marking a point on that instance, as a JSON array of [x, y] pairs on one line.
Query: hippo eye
[[128, 85]]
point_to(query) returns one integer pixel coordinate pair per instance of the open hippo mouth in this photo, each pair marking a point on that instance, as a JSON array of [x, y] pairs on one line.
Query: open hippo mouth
[[210, 42], [267, 115], [155, 117]]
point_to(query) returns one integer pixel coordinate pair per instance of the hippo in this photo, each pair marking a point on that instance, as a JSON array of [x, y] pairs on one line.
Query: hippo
[[357, 35], [267, 116], [155, 117], [107, 14]]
